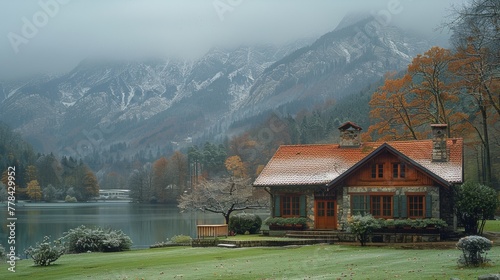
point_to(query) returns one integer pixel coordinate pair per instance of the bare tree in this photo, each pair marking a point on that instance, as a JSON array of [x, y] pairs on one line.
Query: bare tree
[[224, 196]]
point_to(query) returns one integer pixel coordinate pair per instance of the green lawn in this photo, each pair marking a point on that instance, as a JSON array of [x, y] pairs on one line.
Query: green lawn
[[318, 262], [492, 225]]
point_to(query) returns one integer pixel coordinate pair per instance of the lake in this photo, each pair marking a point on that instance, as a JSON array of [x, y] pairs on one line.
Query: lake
[[145, 224]]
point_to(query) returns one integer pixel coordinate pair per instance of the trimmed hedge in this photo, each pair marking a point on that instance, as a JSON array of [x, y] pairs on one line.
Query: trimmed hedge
[[244, 222]]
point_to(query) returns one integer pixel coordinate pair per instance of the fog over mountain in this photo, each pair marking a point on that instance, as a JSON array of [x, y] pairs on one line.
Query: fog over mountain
[[166, 104], [53, 36]]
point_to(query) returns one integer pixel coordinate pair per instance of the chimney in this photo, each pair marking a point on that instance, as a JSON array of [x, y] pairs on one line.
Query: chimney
[[439, 150], [350, 135]]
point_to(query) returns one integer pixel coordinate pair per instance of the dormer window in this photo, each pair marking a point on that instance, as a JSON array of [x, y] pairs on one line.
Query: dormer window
[[398, 170], [377, 171]]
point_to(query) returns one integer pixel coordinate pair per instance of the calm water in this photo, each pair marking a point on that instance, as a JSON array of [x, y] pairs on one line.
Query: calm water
[[144, 224]]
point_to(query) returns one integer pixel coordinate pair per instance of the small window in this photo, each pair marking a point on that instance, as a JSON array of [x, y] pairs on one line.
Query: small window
[[377, 171], [416, 206], [290, 206], [360, 204], [399, 170], [381, 206]]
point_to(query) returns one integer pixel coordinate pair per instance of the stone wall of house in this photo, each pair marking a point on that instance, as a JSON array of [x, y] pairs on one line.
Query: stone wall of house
[[344, 198], [310, 209], [447, 202]]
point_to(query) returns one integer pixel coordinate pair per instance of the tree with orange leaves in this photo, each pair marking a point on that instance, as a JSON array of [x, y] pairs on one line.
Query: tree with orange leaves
[[236, 167], [160, 179], [476, 33], [404, 107]]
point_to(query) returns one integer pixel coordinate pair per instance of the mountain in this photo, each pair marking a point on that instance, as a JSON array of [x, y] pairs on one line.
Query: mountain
[[160, 105], [339, 63]]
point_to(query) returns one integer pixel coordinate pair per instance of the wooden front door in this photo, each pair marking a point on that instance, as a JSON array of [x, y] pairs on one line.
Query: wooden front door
[[325, 217]]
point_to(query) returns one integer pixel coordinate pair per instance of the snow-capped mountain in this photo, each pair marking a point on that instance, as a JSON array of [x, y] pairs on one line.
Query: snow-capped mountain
[[154, 102], [337, 64]]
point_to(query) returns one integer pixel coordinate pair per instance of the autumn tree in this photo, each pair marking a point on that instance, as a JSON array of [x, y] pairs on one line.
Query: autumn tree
[[236, 167], [34, 191], [160, 179], [397, 113], [404, 107], [223, 196], [90, 186], [480, 111], [31, 173], [476, 37], [80, 178], [178, 172]]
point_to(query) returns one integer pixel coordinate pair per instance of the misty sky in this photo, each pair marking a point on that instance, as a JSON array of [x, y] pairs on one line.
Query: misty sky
[[52, 36]]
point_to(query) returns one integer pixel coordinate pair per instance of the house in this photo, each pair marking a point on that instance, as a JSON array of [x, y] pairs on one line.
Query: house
[[395, 179]]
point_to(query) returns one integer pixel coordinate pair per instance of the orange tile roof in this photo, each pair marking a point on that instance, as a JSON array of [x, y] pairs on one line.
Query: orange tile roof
[[321, 164]]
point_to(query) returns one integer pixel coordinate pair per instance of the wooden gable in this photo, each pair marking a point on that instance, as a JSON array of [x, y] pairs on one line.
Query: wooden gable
[[383, 167], [388, 169]]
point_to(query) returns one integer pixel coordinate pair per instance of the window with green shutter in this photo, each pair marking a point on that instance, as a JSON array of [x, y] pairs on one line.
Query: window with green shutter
[[396, 206], [360, 204], [428, 206], [403, 210], [289, 205], [303, 205], [277, 206]]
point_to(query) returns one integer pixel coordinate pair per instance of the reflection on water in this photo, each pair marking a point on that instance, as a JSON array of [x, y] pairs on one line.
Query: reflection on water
[[145, 224]]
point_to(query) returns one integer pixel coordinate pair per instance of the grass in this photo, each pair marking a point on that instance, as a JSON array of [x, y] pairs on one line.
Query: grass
[[318, 261], [492, 225], [251, 237]]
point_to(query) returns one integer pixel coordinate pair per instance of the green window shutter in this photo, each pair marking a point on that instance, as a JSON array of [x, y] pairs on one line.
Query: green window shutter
[[302, 205], [354, 203], [277, 206], [428, 206], [367, 208], [395, 206], [403, 210]]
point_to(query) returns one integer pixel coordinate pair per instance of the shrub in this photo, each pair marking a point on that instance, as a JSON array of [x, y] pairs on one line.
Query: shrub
[[417, 223], [475, 204], [2, 253], [44, 253], [362, 226], [70, 199], [285, 221], [181, 239], [242, 222], [115, 241], [83, 239], [473, 250]]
